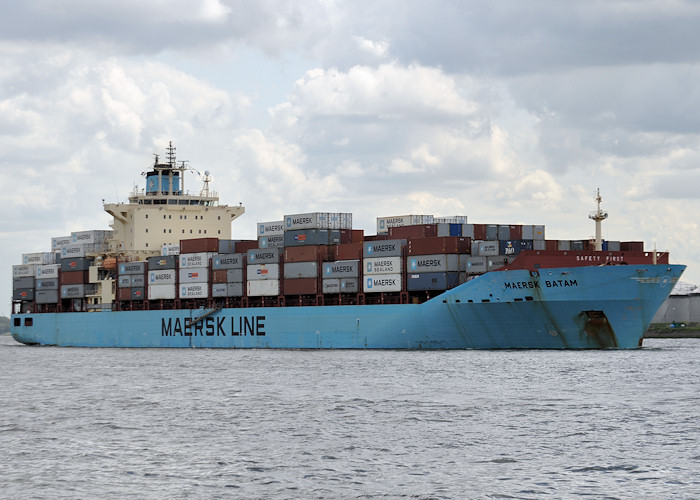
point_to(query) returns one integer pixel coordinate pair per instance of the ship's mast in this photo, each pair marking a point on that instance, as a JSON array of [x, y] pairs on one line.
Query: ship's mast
[[598, 216]]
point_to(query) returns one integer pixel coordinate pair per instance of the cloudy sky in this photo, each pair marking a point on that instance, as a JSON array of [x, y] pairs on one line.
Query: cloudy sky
[[507, 112]]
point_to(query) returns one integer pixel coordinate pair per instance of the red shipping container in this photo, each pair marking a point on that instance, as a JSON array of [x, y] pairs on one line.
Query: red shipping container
[[301, 286], [516, 232], [75, 277], [198, 245], [349, 251], [444, 244], [219, 276], [357, 235], [345, 235], [124, 294], [551, 245], [244, 245], [418, 231], [306, 253], [631, 246], [376, 237], [479, 231]]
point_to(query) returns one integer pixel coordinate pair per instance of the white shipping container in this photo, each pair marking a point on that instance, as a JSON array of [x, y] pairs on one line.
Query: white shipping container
[[200, 259], [257, 272], [93, 236], [194, 275], [23, 270], [40, 258], [384, 223], [318, 220], [436, 263], [59, 241], [161, 277], [260, 288], [382, 265], [270, 228], [170, 250], [194, 291], [454, 219], [72, 250], [274, 241], [48, 271], [162, 292], [382, 283]]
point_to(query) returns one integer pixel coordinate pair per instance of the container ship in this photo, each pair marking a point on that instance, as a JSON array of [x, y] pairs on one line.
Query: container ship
[[168, 273]]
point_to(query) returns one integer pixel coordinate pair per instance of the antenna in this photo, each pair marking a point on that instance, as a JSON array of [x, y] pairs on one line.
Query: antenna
[[207, 180], [598, 216]]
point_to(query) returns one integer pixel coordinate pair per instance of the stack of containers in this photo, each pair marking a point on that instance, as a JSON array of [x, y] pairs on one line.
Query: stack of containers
[[131, 280], [301, 269], [434, 263], [47, 284], [263, 272], [382, 265], [74, 277], [384, 223], [84, 242], [162, 277], [193, 277], [23, 282], [271, 234], [317, 228], [227, 275], [341, 276]]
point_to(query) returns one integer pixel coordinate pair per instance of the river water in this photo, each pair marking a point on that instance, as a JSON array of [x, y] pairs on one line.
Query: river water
[[168, 423]]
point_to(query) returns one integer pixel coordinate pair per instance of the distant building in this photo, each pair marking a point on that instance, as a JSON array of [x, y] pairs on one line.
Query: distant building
[[683, 305]]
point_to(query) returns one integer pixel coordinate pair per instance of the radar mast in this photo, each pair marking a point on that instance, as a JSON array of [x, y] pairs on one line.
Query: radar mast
[[598, 216]]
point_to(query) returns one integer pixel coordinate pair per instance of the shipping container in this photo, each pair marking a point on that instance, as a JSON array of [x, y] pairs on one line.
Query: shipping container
[[193, 291], [614, 246], [491, 232], [39, 258], [76, 291], [47, 284], [305, 254], [539, 245], [479, 231], [385, 248], [311, 237], [200, 259], [330, 285], [95, 236], [234, 289], [124, 281], [318, 220], [513, 247], [25, 294], [416, 231], [431, 281], [564, 245], [168, 250], [443, 229], [452, 219], [516, 232], [20, 271], [23, 282], [71, 251], [136, 267], [631, 246], [341, 269], [577, 245], [274, 241], [503, 232], [74, 277], [497, 261], [296, 270], [219, 289], [46, 296], [446, 244], [234, 276], [264, 256], [193, 275], [227, 246], [162, 277], [138, 280], [468, 231], [382, 265], [138, 293], [433, 263], [162, 292], [199, 245], [260, 288], [47, 271], [257, 272], [382, 283], [122, 294], [219, 276], [349, 285], [384, 223], [484, 248], [59, 241], [270, 228], [243, 246], [231, 261], [162, 262], [76, 264], [349, 251], [539, 232], [300, 286], [476, 265]]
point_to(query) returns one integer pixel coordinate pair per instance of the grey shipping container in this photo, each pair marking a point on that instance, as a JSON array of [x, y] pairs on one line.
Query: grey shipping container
[[230, 261], [219, 290], [564, 245], [263, 256], [341, 269], [331, 285], [235, 289], [124, 281], [539, 245], [138, 280], [234, 275], [491, 232], [294, 270], [349, 285], [162, 262], [272, 241], [577, 245], [476, 265], [383, 248], [311, 237], [484, 248], [614, 246], [138, 267], [497, 261], [468, 231], [503, 232], [47, 296], [24, 282], [47, 284], [443, 229], [138, 293], [72, 291], [431, 281], [432, 263], [227, 246], [23, 294], [76, 264]]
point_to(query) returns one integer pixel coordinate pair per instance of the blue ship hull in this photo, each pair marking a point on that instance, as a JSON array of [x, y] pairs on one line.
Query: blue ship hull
[[563, 308]]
